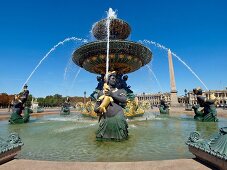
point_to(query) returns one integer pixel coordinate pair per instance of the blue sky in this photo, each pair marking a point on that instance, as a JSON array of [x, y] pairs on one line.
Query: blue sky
[[195, 30]]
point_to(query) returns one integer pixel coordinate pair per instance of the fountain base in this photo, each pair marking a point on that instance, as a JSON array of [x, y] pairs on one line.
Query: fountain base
[[9, 148], [213, 151]]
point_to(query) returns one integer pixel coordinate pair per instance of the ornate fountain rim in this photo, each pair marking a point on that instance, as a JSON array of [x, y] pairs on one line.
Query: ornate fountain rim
[[10, 147], [133, 49]]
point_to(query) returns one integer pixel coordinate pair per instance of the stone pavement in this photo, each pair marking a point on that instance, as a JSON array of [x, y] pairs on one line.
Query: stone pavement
[[178, 164]]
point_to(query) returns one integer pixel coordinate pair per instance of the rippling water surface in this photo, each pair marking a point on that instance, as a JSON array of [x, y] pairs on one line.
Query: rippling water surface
[[72, 138]]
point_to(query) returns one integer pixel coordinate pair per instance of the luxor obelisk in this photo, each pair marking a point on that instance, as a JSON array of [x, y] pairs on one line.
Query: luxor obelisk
[[173, 92]]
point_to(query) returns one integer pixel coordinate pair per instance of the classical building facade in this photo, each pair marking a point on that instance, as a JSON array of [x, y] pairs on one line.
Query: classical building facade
[[221, 96], [188, 98], [154, 99]]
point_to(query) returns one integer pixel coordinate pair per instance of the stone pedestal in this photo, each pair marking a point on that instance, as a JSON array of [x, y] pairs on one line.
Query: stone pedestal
[[174, 99]]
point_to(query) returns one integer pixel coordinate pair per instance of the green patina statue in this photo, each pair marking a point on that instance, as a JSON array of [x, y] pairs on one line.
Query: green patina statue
[[212, 150], [10, 147], [19, 106], [65, 109], [113, 125], [122, 84], [208, 113], [99, 87], [131, 108], [163, 108]]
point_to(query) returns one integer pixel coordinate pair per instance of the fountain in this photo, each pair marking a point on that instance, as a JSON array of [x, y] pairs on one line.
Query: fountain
[[148, 136], [112, 53], [125, 56]]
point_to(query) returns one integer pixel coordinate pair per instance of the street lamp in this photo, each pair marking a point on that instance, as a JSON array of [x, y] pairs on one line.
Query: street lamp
[[185, 95], [84, 97], [185, 92], [144, 96]]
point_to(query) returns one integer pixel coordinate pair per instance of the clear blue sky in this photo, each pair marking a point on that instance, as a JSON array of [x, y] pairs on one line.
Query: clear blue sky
[[193, 29]]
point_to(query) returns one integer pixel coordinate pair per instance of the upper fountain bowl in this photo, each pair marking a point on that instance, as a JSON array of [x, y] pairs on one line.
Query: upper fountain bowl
[[119, 29], [125, 56]]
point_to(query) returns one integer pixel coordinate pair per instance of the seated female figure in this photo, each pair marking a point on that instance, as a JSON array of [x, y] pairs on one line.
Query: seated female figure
[[113, 125]]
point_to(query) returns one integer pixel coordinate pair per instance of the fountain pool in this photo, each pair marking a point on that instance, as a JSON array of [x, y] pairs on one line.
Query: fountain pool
[[72, 138]]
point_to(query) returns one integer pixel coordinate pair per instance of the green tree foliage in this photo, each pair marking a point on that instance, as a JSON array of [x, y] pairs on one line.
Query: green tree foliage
[[49, 101], [29, 101]]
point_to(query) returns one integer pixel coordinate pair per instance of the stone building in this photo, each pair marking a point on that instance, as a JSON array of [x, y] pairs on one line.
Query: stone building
[[188, 98], [154, 99], [221, 96]]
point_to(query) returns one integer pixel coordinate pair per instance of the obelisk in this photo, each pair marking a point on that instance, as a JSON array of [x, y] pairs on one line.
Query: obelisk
[[173, 92]]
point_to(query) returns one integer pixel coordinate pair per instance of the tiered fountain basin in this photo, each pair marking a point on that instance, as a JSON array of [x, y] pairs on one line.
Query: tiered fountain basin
[[125, 56], [72, 138], [119, 29]]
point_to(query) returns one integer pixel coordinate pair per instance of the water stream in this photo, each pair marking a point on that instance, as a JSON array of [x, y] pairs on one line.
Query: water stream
[[76, 75], [152, 72], [51, 50], [110, 15], [166, 49]]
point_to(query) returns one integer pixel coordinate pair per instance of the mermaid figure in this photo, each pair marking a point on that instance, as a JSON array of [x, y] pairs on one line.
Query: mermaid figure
[[208, 113]]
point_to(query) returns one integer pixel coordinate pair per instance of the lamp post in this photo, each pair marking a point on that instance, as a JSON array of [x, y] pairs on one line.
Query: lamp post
[[84, 97], [185, 92], [185, 96]]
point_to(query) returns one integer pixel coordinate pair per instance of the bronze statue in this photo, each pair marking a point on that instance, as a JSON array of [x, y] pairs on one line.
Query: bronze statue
[[99, 87], [113, 125], [20, 105], [163, 108], [208, 113], [65, 109]]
